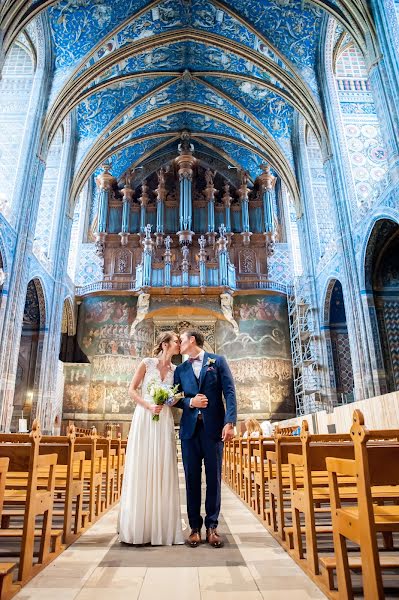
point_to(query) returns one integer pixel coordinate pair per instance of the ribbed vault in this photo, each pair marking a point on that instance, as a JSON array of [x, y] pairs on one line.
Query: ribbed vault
[[134, 74]]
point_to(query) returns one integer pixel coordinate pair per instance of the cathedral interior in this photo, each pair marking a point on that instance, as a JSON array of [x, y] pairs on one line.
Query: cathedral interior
[[231, 166]]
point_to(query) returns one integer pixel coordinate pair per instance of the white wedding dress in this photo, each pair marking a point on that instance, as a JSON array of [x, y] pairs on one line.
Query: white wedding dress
[[150, 502]]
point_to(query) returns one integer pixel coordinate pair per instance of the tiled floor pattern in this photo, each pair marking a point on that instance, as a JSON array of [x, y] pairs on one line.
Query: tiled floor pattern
[[252, 565]]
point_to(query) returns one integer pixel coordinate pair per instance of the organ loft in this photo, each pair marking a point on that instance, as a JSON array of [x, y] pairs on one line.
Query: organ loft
[[187, 226]]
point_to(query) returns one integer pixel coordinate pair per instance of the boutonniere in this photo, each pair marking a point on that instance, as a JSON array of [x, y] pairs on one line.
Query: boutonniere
[[210, 363]]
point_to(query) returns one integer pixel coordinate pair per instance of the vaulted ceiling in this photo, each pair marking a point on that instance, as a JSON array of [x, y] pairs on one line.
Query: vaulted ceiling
[[137, 73]]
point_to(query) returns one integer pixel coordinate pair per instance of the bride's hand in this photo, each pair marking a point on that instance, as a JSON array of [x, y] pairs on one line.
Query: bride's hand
[[155, 408]]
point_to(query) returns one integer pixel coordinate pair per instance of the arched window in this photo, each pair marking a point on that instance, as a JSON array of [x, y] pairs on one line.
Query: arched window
[[46, 216], [367, 155], [15, 90]]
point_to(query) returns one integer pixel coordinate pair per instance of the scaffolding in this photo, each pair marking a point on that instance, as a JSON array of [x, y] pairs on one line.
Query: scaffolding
[[303, 349]]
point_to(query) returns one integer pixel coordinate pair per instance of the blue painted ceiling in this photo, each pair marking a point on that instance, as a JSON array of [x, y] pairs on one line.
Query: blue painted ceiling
[[137, 73]]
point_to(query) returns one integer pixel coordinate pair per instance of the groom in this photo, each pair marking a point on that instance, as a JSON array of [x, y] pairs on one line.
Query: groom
[[204, 427]]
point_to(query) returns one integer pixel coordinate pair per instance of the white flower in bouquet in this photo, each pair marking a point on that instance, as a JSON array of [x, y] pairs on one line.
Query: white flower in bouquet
[[163, 393]]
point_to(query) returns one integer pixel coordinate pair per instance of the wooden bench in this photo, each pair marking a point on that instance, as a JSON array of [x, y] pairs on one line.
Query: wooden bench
[[36, 496], [309, 489], [120, 454], [279, 481], [69, 482], [108, 470], [328, 565], [375, 464], [7, 588], [93, 474], [259, 476]]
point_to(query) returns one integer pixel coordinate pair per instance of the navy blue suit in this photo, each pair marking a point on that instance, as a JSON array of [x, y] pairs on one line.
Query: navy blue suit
[[201, 440]]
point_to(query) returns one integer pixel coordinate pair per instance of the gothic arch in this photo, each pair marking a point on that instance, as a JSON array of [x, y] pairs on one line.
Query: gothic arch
[[381, 277], [42, 299], [30, 355], [341, 381], [68, 317], [389, 214]]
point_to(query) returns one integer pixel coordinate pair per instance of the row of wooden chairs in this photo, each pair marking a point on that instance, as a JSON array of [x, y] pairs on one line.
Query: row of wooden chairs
[[51, 489], [315, 492]]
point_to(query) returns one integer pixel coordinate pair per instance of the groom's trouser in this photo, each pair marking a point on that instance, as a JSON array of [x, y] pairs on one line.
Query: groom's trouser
[[195, 450]]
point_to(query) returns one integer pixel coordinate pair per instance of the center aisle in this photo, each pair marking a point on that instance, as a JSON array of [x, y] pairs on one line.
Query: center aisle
[[98, 567]]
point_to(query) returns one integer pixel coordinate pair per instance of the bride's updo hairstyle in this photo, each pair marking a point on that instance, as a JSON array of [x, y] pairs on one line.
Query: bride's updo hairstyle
[[164, 338]]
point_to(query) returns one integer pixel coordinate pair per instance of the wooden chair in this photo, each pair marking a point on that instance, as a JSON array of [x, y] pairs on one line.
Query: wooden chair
[[375, 464]]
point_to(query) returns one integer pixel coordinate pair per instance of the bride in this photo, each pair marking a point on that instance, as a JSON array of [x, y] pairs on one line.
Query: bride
[[150, 503]]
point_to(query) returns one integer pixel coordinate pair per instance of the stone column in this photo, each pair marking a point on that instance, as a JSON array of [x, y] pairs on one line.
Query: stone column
[[365, 385], [209, 193], [243, 194], [384, 77], [27, 196], [46, 403], [161, 196]]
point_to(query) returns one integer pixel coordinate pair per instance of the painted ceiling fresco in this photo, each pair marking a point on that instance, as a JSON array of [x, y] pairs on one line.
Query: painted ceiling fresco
[[226, 71]]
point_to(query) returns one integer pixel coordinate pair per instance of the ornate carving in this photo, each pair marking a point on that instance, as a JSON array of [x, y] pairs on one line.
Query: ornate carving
[[123, 261], [267, 180], [247, 262], [143, 305], [226, 304], [226, 198], [100, 247], [144, 198], [202, 242], [161, 189], [105, 180], [186, 161]]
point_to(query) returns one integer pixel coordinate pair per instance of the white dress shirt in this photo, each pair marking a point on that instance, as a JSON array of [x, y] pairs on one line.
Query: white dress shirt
[[197, 364]]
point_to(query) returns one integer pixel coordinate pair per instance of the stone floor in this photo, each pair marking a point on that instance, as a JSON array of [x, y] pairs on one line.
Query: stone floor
[[251, 565]]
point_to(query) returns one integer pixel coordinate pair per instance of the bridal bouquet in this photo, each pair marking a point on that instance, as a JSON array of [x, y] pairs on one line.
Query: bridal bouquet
[[162, 393]]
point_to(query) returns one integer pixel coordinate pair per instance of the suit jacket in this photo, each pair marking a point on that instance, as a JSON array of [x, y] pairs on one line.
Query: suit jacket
[[215, 381]]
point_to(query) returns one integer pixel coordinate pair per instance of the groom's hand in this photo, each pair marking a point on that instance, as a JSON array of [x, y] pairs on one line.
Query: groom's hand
[[199, 401], [228, 432]]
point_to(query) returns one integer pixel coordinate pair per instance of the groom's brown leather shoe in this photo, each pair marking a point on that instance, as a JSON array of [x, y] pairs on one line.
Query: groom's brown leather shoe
[[194, 539], [213, 538]]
